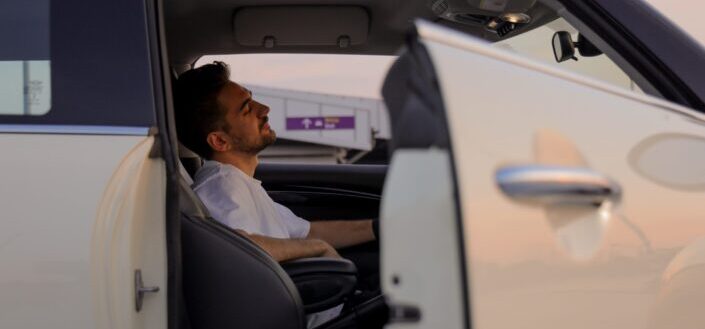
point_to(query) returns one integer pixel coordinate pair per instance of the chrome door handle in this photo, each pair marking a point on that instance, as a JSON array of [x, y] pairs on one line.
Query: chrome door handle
[[140, 290], [548, 185]]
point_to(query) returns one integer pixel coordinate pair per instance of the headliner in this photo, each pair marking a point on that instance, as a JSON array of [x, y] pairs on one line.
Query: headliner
[[205, 27]]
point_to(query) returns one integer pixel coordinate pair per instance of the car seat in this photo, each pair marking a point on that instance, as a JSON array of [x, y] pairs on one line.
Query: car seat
[[189, 161], [228, 281]]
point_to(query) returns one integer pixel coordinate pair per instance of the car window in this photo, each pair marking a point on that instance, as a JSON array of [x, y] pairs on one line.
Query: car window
[[58, 75], [537, 44], [324, 108], [343, 75], [25, 78]]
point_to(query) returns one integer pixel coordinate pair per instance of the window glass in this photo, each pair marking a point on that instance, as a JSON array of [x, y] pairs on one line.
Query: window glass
[[344, 75], [76, 64], [537, 44], [25, 74], [324, 108]]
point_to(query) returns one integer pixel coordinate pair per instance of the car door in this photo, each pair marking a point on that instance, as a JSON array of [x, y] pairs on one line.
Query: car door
[[83, 183], [581, 202]]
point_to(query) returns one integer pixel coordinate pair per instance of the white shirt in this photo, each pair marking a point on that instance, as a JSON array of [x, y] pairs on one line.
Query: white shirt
[[239, 201]]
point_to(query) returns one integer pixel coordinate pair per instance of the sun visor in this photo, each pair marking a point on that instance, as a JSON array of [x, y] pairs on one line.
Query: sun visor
[[275, 26]]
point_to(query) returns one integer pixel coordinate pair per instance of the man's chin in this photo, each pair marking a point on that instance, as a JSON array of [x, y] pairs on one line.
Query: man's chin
[[268, 138]]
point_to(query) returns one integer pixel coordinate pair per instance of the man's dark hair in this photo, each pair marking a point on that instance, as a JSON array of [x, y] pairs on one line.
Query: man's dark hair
[[198, 111]]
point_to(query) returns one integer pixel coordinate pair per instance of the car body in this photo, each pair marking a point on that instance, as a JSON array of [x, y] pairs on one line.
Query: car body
[[519, 193]]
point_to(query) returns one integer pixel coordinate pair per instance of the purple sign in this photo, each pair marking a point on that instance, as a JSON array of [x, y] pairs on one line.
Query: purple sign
[[320, 123]]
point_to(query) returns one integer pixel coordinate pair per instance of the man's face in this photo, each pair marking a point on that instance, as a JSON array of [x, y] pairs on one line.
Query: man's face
[[249, 129]]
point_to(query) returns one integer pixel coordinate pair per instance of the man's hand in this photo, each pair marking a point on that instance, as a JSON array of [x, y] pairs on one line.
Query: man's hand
[[330, 251]]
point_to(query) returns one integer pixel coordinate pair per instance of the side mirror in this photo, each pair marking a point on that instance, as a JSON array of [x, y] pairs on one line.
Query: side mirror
[[563, 47]]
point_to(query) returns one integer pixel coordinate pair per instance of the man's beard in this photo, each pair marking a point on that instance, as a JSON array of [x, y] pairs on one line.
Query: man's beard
[[259, 145], [267, 140]]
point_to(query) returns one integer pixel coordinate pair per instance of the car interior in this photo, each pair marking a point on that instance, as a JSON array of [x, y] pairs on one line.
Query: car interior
[[242, 291]]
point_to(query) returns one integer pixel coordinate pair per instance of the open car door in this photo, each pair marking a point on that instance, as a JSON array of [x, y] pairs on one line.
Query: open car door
[[581, 203]]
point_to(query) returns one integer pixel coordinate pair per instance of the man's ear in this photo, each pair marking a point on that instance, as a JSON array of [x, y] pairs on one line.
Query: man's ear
[[218, 141]]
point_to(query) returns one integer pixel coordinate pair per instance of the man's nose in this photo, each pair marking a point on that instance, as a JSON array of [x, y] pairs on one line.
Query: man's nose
[[262, 110]]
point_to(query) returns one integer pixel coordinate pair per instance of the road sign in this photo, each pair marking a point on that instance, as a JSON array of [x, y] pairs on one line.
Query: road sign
[[320, 123]]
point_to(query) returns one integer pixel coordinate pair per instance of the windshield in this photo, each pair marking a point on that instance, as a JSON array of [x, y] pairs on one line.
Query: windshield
[[324, 108], [346, 75], [537, 44]]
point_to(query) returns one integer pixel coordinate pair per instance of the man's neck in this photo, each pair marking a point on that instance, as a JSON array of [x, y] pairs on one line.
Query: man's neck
[[245, 162]]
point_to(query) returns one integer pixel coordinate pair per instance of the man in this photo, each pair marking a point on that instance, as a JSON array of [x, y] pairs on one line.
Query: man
[[219, 120]]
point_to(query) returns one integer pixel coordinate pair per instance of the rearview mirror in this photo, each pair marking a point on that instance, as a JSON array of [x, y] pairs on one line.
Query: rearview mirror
[[563, 46]]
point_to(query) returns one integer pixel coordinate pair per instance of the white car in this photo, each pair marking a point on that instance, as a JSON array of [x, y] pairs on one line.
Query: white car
[[547, 167]]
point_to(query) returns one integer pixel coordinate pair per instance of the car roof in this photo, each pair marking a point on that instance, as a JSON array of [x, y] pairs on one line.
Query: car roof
[[207, 27]]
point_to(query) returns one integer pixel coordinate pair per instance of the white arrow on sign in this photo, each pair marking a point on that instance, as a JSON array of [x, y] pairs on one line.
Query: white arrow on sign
[[318, 123], [306, 122]]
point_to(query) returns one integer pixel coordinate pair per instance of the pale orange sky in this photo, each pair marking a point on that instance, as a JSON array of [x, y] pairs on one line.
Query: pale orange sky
[[362, 75], [348, 75], [686, 13]]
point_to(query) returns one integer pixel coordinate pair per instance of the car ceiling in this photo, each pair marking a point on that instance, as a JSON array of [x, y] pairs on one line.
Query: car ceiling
[[207, 27]]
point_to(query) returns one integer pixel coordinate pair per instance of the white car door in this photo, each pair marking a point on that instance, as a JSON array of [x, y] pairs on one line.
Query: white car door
[[582, 203], [83, 193]]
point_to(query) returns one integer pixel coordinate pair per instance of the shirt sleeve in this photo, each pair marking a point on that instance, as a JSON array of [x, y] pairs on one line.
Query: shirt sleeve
[[298, 227], [224, 199]]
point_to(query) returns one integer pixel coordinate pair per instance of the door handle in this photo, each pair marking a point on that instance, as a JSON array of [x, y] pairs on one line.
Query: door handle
[[546, 185], [401, 313], [140, 290]]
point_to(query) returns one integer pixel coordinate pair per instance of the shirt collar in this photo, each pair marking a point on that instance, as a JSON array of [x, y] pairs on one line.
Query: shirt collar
[[231, 168]]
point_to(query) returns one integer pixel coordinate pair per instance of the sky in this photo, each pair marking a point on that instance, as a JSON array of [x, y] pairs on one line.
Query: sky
[[347, 75], [688, 14], [363, 76]]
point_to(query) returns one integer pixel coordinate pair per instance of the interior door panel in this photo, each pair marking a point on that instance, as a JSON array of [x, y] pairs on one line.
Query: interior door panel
[[319, 192], [332, 192]]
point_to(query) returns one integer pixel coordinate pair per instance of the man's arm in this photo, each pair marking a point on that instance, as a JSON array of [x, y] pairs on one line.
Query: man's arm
[[342, 233], [288, 249]]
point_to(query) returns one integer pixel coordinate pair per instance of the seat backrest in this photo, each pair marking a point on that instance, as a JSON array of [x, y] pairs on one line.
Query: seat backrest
[[229, 282], [190, 161]]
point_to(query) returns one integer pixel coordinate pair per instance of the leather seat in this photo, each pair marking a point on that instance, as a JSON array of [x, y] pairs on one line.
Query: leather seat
[[228, 281], [190, 161]]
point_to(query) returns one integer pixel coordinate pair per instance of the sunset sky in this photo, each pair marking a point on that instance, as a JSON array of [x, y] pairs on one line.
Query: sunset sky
[[686, 13]]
